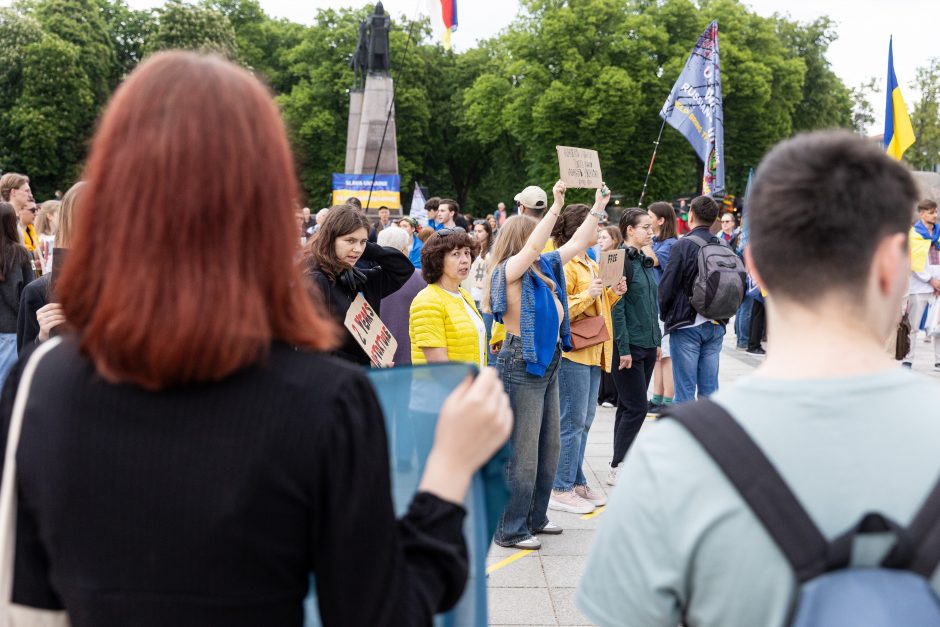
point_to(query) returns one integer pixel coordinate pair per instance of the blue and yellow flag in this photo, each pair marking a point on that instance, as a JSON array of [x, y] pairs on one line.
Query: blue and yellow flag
[[899, 133]]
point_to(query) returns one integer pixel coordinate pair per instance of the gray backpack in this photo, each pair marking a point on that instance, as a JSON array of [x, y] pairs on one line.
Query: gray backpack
[[721, 281], [832, 591]]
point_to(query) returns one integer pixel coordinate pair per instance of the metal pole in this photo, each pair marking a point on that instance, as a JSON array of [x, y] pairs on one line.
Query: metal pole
[[652, 160]]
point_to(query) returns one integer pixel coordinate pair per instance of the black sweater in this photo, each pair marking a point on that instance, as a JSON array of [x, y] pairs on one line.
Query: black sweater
[[210, 505], [390, 272], [35, 296], [19, 274]]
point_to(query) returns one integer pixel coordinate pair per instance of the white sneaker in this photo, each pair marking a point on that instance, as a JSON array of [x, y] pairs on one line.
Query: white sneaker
[[592, 496], [569, 501], [607, 405], [612, 476]]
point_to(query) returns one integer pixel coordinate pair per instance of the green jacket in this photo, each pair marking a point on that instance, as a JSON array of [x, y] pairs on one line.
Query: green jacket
[[636, 315]]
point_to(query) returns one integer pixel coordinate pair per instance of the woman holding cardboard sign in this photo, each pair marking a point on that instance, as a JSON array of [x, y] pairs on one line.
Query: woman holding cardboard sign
[[330, 262], [579, 374], [527, 293], [445, 325], [201, 456]]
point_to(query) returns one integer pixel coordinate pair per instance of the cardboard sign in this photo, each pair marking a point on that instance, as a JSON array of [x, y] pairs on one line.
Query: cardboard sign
[[611, 264], [371, 333], [579, 167]]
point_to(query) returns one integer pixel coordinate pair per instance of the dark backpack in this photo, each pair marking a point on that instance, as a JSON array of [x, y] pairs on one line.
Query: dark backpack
[[720, 282], [832, 593]]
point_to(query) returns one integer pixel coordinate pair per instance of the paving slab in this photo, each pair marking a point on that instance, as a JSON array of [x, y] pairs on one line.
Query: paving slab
[[521, 606], [566, 612]]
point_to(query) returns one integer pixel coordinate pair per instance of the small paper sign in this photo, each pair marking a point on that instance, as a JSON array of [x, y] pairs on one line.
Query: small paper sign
[[579, 167], [371, 333], [611, 263]]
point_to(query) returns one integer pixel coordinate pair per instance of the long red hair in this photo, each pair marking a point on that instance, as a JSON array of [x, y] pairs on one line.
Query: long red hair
[[183, 264]]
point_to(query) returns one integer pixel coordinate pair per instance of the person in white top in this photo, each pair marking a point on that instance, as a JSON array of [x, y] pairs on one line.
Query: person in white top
[[924, 285]]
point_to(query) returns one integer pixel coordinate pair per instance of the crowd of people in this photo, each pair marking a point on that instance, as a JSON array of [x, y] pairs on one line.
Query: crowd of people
[[213, 439]]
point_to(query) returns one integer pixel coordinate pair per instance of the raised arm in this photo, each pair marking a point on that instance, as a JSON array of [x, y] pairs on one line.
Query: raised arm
[[518, 264], [587, 232]]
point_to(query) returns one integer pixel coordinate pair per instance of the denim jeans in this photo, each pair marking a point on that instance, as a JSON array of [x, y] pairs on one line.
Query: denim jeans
[[578, 405], [8, 355], [632, 384], [742, 321], [695, 354], [534, 440]]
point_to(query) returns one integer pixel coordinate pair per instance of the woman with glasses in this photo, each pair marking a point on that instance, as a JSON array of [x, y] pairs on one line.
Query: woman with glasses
[[330, 263], [637, 336], [445, 324]]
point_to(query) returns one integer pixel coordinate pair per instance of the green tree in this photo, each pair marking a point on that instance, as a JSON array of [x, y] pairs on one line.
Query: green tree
[[192, 27], [863, 114], [925, 117], [129, 30], [46, 129]]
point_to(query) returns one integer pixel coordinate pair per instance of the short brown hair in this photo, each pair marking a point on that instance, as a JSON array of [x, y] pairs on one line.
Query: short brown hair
[[9, 182], [437, 246], [820, 205], [705, 209], [926, 205], [432, 203], [321, 251], [569, 221], [177, 312], [425, 233], [454, 207]]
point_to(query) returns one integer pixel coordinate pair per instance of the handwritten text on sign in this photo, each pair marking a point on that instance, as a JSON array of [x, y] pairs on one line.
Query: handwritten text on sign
[[612, 266], [371, 333], [579, 167]]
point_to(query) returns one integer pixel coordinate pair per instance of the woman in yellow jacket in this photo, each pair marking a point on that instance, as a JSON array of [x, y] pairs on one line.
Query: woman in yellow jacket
[[444, 324], [580, 372]]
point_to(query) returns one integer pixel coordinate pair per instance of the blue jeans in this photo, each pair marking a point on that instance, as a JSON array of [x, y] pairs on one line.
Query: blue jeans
[[534, 440], [742, 321], [578, 404], [695, 354], [8, 354]]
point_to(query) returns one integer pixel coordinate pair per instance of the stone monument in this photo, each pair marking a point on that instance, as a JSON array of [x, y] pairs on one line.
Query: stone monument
[[370, 100]]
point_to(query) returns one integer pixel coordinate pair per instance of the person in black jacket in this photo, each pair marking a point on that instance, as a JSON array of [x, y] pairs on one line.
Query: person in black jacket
[[694, 340], [201, 456], [16, 271], [330, 263]]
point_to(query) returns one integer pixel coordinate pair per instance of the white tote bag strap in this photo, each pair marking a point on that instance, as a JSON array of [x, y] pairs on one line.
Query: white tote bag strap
[[8, 486]]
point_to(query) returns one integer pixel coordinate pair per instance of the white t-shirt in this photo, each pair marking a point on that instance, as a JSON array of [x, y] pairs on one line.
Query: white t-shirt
[[477, 322]]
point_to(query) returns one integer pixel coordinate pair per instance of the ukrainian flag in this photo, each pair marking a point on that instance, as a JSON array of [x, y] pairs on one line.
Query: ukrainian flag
[[899, 133]]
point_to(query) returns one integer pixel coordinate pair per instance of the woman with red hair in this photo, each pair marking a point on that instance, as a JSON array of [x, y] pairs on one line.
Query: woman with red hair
[[201, 455]]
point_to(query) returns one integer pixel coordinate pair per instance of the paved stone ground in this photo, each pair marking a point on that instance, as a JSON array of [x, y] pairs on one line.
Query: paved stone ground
[[538, 587]]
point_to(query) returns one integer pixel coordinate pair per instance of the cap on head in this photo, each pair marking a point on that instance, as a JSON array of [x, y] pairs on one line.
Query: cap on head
[[533, 197]]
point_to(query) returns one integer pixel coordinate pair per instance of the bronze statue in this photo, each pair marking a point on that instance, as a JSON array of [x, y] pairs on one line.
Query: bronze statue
[[372, 49]]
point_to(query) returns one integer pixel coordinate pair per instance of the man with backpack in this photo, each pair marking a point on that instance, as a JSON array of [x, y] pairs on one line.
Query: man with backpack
[[702, 286], [806, 494]]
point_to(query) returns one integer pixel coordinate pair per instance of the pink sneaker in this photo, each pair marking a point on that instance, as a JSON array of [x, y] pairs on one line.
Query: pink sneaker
[[591, 495], [569, 502]]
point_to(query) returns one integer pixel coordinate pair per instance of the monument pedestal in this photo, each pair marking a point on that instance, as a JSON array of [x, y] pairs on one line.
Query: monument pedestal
[[368, 109]]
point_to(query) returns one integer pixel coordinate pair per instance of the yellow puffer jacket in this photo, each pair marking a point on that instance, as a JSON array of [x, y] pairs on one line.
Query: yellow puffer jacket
[[439, 320]]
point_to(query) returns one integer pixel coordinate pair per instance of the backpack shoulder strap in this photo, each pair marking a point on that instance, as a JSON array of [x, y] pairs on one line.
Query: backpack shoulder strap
[[924, 531], [759, 484], [695, 239]]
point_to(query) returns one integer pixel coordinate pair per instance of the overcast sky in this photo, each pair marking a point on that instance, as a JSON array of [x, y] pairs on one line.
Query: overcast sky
[[860, 52]]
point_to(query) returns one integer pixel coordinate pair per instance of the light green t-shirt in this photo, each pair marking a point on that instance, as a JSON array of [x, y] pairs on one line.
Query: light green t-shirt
[[677, 537]]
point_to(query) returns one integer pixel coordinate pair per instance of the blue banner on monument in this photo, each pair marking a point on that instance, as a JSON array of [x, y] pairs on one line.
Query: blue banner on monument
[[362, 182]]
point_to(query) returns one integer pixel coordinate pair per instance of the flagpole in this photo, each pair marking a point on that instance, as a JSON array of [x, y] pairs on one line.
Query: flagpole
[[652, 160]]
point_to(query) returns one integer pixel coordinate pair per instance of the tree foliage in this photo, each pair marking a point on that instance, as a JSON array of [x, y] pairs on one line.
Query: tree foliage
[[477, 125], [925, 117]]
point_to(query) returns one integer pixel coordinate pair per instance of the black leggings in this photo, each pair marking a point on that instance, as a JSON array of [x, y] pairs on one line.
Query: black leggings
[[632, 384]]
